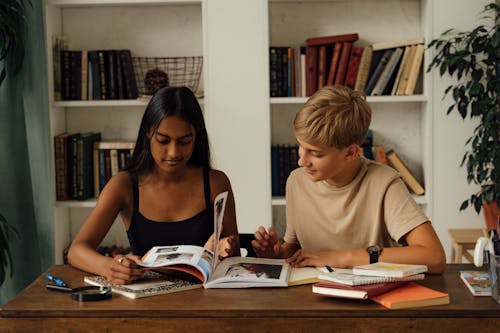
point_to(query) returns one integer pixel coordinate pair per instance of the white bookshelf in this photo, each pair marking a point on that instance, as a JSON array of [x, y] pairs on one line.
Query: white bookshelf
[[242, 120], [147, 28], [402, 123]]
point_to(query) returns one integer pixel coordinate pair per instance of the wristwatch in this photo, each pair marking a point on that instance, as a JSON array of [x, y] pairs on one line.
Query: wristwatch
[[374, 252]]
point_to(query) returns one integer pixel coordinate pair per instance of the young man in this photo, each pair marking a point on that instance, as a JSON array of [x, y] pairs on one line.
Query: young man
[[342, 209]]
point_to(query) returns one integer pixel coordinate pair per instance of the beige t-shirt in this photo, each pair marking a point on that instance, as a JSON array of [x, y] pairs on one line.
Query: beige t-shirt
[[375, 208]]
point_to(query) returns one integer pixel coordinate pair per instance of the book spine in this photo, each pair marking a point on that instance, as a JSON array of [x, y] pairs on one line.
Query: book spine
[[274, 65], [353, 66], [401, 68], [102, 169], [284, 71], [321, 66], [84, 75], [316, 41], [57, 48], [344, 59], [387, 72], [377, 72], [130, 82], [120, 84], [66, 74], [94, 70], [275, 182], [415, 70], [102, 74], [312, 70], [72, 166], [406, 71], [408, 177], [61, 166], [111, 74], [303, 71], [364, 69], [75, 89]]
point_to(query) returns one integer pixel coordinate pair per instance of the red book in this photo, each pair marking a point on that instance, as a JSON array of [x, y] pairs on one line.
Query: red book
[[334, 64], [344, 60], [312, 70], [365, 291], [316, 41], [352, 68]]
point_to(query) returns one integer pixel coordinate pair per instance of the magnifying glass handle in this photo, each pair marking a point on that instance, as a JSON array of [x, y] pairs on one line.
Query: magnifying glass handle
[[58, 288]]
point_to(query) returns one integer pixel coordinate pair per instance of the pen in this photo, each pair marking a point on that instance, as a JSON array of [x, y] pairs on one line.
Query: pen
[[57, 281], [329, 268]]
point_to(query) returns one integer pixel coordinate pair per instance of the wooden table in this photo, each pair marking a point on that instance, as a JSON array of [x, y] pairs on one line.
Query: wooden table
[[463, 240], [294, 309]]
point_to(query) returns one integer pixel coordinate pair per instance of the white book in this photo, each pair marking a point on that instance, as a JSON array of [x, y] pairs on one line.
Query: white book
[[346, 276], [389, 269]]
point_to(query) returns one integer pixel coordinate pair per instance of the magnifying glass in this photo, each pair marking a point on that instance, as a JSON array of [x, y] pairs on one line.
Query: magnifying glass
[[84, 294]]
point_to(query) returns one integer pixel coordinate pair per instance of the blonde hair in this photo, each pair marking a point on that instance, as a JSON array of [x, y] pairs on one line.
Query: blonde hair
[[335, 116]]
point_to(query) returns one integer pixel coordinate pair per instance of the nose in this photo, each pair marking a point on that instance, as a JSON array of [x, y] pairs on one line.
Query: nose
[[303, 160], [174, 151]]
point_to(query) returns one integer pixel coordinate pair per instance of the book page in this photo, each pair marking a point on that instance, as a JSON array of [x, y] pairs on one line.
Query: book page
[[245, 272], [176, 255], [219, 208]]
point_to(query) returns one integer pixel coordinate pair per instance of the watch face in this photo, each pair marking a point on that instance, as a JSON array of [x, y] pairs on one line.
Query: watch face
[[374, 249]]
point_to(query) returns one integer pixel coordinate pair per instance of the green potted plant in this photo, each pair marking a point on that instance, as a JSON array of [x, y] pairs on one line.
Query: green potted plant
[[5, 254], [472, 59], [12, 19]]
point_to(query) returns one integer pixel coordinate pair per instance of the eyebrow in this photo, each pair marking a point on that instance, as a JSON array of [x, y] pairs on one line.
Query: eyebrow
[[185, 136]]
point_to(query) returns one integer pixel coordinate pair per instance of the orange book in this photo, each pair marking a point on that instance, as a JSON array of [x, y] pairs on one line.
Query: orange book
[[408, 177], [412, 295], [379, 154]]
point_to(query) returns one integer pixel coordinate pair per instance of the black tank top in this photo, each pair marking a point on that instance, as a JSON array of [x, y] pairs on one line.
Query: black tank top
[[143, 233]]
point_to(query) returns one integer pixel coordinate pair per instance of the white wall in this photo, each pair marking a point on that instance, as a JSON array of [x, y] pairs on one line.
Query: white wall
[[451, 132]]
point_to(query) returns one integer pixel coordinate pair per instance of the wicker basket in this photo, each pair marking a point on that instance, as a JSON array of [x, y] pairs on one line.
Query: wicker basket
[[181, 71]]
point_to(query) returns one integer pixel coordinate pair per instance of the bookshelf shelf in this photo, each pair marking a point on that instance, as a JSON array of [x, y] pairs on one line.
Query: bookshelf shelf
[[76, 204], [81, 3], [281, 201], [371, 99]]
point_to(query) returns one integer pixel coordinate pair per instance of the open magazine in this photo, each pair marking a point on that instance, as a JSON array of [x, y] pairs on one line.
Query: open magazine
[[205, 266]]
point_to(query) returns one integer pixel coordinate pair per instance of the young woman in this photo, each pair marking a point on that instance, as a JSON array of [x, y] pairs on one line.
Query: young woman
[[164, 196]]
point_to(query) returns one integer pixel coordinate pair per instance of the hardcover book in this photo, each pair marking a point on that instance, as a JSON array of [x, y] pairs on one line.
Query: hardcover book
[[367, 291], [337, 48], [411, 295], [387, 72], [205, 266], [316, 41], [389, 269], [364, 69], [477, 282], [343, 62], [346, 276], [151, 284], [353, 66], [408, 177], [378, 69]]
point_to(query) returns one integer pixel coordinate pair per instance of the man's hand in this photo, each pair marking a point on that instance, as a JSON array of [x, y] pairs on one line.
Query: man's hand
[[266, 243]]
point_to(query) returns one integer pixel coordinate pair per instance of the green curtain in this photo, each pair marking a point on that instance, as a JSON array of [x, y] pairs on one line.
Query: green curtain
[[26, 195]]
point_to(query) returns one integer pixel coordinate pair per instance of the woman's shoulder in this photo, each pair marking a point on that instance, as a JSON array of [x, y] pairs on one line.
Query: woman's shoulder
[[219, 182], [121, 182]]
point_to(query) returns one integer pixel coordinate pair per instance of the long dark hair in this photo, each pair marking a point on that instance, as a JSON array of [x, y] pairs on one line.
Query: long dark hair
[[170, 101]]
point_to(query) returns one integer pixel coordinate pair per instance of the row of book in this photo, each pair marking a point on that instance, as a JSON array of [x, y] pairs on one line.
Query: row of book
[[386, 68], [284, 159], [390, 285], [92, 74], [84, 164]]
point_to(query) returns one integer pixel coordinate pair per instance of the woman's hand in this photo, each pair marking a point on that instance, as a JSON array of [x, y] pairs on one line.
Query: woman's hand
[[124, 269], [227, 246]]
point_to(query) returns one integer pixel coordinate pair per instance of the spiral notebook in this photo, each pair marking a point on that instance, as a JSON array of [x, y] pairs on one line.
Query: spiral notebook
[[345, 276]]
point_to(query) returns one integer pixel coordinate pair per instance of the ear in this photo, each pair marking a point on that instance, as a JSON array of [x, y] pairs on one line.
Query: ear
[[352, 152]]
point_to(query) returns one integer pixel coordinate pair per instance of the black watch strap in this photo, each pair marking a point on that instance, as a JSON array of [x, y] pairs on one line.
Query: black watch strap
[[373, 257]]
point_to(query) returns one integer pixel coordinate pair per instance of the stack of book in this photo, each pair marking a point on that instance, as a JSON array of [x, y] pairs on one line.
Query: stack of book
[[385, 283]]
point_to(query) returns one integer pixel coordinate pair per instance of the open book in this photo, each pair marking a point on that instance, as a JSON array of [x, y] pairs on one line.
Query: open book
[[205, 266]]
